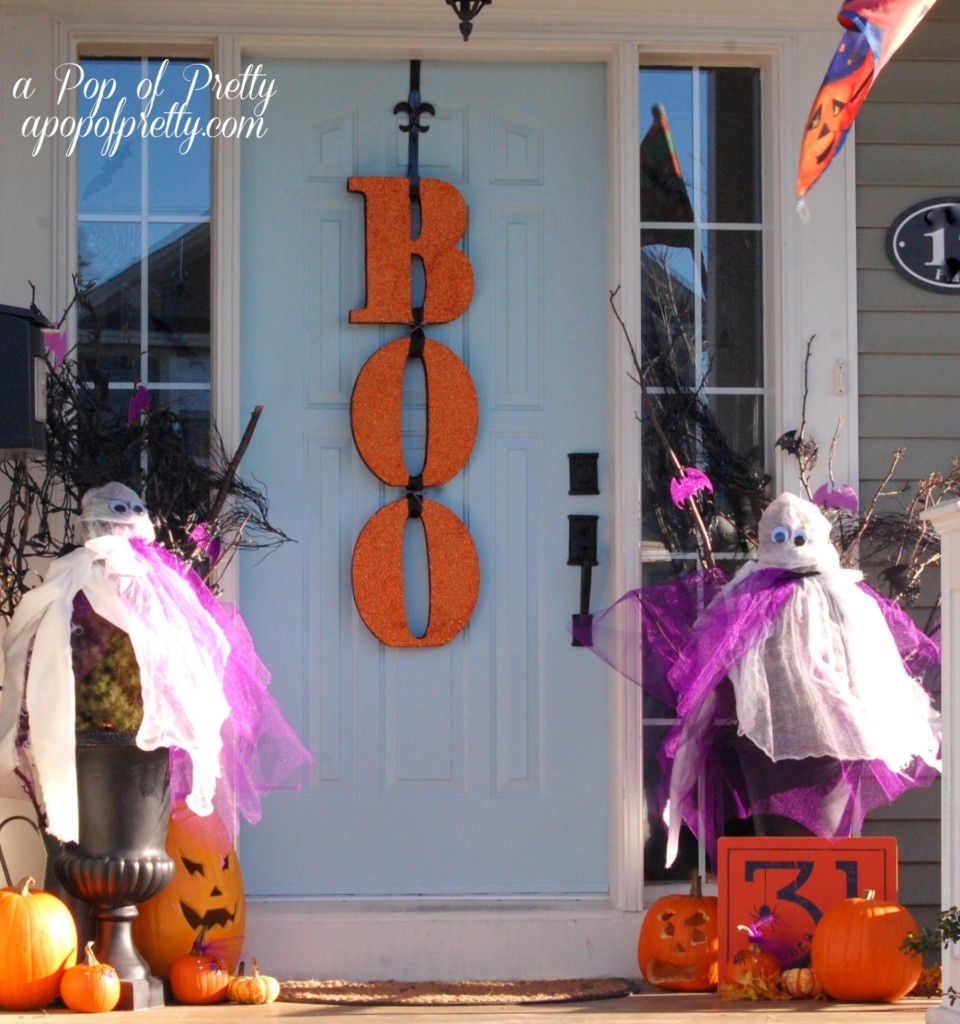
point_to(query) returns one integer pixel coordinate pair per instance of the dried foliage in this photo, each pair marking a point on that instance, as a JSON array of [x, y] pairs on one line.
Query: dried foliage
[[202, 509], [886, 535], [890, 535], [680, 426]]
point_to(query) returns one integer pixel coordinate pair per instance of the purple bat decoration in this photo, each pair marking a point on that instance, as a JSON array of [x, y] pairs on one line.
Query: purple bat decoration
[[769, 933], [686, 486], [139, 403], [56, 344], [839, 497], [208, 544]]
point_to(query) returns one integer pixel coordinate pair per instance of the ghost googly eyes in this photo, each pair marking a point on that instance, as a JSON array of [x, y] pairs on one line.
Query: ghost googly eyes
[[121, 508], [781, 534]]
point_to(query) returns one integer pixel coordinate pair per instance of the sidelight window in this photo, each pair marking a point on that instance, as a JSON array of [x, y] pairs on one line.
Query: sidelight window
[[144, 247], [702, 336]]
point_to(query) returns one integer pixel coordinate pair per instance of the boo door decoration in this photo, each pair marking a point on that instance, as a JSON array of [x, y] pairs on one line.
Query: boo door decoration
[[452, 408]]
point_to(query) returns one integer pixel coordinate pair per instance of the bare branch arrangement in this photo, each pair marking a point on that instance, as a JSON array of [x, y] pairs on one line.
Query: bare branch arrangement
[[202, 508], [893, 538], [678, 420], [885, 534]]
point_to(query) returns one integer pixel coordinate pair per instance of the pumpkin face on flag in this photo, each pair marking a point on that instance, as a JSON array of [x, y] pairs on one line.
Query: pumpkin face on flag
[[875, 30], [844, 89]]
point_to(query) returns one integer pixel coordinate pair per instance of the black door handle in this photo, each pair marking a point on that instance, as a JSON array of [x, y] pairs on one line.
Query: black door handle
[[582, 551]]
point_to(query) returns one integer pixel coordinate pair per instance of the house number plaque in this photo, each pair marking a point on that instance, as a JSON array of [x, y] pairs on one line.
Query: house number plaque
[[923, 243]]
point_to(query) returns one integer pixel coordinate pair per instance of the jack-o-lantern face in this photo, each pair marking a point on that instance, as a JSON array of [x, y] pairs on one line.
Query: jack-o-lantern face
[[678, 943], [206, 892], [841, 96]]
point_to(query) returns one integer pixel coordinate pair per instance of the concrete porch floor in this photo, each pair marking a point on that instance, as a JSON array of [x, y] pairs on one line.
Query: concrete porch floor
[[650, 1007]]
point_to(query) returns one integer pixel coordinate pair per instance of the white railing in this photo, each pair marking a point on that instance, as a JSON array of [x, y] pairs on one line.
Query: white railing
[[945, 519]]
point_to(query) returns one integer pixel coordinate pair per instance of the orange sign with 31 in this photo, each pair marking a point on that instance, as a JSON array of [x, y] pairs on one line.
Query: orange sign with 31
[[780, 886]]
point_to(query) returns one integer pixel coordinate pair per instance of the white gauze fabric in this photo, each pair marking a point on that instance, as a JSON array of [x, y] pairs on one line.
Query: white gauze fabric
[[827, 678], [180, 650]]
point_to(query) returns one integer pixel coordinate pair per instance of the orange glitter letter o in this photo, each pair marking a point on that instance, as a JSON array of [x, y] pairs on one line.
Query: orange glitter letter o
[[376, 413], [454, 573]]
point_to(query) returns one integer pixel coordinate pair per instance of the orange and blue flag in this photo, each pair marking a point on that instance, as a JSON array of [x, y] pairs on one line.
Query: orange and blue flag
[[875, 30], [663, 192]]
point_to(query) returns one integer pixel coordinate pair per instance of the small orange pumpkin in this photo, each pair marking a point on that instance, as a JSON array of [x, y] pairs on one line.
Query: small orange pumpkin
[[256, 988], [38, 942], [677, 948], [856, 952], [198, 979], [801, 983], [90, 987], [752, 965]]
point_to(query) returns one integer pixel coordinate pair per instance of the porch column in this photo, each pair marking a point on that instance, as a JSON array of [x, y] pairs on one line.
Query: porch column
[[945, 519]]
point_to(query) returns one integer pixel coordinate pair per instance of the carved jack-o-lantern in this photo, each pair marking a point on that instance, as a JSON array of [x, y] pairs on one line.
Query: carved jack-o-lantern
[[206, 892], [678, 942]]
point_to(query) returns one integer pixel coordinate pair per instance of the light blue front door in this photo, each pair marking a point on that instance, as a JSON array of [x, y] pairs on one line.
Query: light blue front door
[[481, 766]]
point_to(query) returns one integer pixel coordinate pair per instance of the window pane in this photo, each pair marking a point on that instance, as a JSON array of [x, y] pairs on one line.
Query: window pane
[[700, 145], [742, 419], [666, 529], [655, 846], [178, 269], [192, 409], [669, 314], [733, 309], [730, 126], [666, 147], [110, 182], [179, 166], [108, 321], [144, 235]]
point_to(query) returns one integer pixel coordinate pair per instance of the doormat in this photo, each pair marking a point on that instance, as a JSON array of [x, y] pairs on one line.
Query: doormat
[[444, 993]]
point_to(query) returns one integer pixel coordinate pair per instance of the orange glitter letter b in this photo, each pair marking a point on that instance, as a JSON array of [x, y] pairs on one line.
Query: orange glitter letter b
[[443, 221]]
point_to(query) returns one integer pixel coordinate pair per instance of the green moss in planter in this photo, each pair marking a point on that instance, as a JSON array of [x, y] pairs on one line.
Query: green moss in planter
[[106, 672]]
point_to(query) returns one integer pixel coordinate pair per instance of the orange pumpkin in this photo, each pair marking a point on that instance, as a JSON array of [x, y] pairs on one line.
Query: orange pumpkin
[[206, 891], [677, 948], [38, 942], [856, 952], [197, 978], [801, 983], [753, 964], [90, 987]]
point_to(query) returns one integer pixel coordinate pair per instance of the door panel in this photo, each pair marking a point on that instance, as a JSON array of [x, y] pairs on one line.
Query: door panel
[[478, 767]]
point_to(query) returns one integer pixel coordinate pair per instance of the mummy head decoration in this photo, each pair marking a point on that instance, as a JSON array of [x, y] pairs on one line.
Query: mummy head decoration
[[795, 534], [114, 509]]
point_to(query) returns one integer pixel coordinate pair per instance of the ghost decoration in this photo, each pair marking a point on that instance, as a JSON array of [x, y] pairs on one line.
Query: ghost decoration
[[797, 688], [204, 690]]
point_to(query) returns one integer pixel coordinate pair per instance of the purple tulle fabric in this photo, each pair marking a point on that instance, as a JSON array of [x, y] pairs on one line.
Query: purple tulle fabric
[[261, 751], [659, 639]]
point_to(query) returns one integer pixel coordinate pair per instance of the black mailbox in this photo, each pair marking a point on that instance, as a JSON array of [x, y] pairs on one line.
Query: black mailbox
[[23, 383]]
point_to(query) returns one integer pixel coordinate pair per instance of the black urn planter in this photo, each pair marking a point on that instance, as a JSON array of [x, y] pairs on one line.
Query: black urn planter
[[120, 860]]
